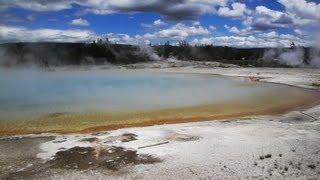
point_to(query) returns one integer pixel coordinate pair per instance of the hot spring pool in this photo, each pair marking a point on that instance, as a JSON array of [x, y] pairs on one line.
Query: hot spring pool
[[73, 101]]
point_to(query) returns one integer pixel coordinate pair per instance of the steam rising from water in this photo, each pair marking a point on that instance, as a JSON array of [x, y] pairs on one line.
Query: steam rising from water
[[295, 57], [292, 58], [148, 50], [315, 61]]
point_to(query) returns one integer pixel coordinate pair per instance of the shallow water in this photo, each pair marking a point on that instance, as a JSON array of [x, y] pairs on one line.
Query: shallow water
[[31, 93], [114, 97]]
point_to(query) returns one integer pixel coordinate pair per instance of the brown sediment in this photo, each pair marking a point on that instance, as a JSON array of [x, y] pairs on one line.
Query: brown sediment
[[101, 121], [85, 158], [112, 158]]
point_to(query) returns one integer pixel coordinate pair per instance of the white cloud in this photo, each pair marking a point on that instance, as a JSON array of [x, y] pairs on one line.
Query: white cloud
[[235, 41], [145, 25], [158, 22], [303, 13], [179, 32], [259, 25], [196, 23], [261, 40], [99, 11], [270, 35], [263, 18], [21, 34], [237, 11], [298, 13], [232, 29], [264, 11], [127, 39], [301, 32], [302, 8], [197, 36], [235, 30], [80, 22], [174, 33], [30, 18], [212, 28]]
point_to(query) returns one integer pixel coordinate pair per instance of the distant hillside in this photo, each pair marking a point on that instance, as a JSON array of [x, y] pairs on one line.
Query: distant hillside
[[61, 54]]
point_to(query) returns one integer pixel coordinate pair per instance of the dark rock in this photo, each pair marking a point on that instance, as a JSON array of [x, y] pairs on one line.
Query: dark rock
[[89, 139], [128, 137], [59, 141], [311, 166], [268, 156]]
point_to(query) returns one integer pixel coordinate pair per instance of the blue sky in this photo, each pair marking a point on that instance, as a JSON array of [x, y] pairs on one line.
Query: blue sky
[[240, 23]]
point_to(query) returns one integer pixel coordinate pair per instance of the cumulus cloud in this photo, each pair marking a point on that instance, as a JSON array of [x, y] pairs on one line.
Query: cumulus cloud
[[270, 35], [120, 38], [146, 25], [235, 30], [271, 39], [300, 32], [234, 41], [196, 23], [197, 34], [232, 29], [238, 10], [302, 8], [21, 34], [212, 28], [259, 25], [176, 32], [302, 12], [179, 31], [175, 10], [80, 22], [298, 13], [264, 18], [158, 23], [31, 18]]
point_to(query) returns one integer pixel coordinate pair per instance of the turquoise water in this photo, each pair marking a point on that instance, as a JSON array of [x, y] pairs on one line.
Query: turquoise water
[[33, 93]]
